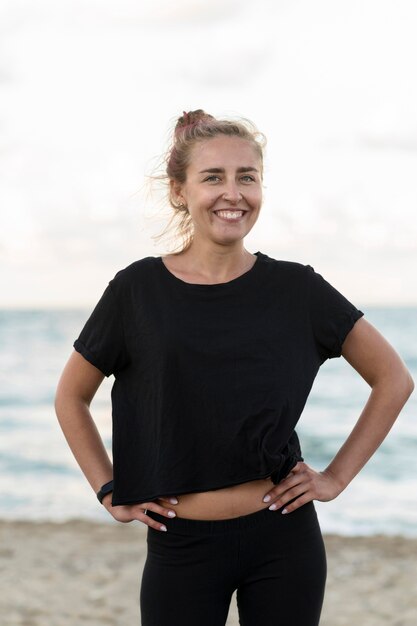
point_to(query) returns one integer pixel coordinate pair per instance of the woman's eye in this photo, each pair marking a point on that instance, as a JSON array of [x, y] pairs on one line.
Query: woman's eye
[[212, 178], [248, 179]]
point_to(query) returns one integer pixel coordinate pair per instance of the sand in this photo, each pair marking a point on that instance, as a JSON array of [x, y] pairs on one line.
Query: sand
[[79, 572]]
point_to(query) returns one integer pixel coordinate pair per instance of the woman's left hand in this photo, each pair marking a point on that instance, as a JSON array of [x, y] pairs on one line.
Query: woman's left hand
[[304, 484]]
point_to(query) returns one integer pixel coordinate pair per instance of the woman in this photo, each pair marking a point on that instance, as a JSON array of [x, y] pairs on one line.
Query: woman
[[214, 351]]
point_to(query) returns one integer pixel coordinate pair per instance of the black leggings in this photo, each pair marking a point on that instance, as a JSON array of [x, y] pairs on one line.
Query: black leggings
[[276, 563]]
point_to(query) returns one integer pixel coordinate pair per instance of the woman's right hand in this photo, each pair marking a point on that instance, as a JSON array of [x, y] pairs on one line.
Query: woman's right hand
[[129, 512]]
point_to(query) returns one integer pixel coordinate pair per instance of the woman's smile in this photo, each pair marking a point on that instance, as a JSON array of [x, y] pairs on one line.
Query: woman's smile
[[223, 189], [230, 215]]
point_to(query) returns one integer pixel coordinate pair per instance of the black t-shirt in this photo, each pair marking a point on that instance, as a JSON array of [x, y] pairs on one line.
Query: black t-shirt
[[210, 380]]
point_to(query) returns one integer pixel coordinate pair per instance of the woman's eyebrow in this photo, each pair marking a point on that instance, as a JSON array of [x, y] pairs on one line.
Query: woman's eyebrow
[[220, 170]]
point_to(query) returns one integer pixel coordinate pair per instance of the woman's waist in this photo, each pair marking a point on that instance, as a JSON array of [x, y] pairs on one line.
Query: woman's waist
[[225, 503]]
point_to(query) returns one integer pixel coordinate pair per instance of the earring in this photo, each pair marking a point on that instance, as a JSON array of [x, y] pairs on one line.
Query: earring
[[182, 207]]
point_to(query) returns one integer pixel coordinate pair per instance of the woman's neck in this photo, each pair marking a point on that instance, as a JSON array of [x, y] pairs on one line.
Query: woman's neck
[[213, 264]]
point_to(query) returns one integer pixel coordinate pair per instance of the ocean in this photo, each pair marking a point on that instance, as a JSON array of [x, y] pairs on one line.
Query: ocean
[[39, 479]]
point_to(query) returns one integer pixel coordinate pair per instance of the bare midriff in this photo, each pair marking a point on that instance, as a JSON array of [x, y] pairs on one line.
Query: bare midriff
[[242, 499]]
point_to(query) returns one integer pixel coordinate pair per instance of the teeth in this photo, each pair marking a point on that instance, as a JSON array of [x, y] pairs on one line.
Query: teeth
[[230, 215]]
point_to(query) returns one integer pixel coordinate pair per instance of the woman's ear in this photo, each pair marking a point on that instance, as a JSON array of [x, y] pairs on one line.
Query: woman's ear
[[176, 191]]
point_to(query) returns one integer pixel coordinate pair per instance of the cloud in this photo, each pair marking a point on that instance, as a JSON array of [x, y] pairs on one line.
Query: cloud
[[92, 84]]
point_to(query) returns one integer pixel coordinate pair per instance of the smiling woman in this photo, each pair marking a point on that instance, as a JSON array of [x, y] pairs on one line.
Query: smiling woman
[[214, 351], [190, 140], [221, 197]]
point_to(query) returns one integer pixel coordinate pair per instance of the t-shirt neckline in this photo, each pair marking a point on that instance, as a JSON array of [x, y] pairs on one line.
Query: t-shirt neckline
[[201, 286]]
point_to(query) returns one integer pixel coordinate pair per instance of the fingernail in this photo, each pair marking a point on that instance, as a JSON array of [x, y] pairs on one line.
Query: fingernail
[[272, 507], [164, 528], [284, 511], [173, 500], [267, 498], [171, 514]]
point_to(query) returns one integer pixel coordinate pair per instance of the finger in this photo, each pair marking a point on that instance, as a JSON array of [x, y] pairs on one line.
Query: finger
[[162, 510], [289, 495], [284, 485], [299, 502], [170, 499], [142, 516], [156, 508], [152, 523], [299, 467], [148, 521]]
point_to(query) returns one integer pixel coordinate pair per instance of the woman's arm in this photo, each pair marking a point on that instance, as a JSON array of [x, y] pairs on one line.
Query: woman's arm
[[76, 389], [382, 368]]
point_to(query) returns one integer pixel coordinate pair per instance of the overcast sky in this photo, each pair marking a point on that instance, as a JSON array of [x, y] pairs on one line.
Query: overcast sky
[[89, 90]]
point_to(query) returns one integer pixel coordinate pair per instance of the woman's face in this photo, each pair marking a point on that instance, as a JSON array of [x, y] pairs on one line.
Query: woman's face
[[223, 189]]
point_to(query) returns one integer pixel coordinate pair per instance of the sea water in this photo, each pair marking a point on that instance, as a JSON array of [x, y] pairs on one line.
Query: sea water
[[39, 479]]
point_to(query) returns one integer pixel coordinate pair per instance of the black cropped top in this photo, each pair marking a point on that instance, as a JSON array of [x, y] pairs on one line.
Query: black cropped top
[[210, 380]]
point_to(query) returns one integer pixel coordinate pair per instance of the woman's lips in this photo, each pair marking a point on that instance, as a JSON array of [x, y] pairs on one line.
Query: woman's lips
[[230, 215]]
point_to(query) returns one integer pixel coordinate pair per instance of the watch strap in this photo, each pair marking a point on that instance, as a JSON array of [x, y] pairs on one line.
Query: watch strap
[[105, 489]]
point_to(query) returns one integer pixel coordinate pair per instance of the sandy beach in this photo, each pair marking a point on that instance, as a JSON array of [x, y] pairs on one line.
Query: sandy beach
[[79, 572]]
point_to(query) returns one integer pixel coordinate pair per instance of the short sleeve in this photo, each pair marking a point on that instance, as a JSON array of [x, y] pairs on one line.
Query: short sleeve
[[101, 341], [332, 315]]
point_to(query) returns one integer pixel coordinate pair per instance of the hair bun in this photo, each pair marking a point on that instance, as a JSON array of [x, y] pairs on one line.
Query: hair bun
[[191, 118]]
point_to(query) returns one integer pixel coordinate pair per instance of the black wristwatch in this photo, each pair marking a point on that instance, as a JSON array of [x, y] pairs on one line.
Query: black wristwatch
[[107, 488]]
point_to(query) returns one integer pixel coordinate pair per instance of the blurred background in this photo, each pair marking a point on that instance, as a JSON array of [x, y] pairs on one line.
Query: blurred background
[[89, 91]]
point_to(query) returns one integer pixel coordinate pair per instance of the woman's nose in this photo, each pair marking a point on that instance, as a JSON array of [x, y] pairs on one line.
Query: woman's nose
[[232, 194]]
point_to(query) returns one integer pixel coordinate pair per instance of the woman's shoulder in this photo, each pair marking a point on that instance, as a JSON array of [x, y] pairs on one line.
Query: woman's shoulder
[[283, 266], [136, 272]]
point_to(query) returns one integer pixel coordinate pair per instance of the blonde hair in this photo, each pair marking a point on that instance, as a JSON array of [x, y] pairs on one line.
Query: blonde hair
[[191, 128]]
